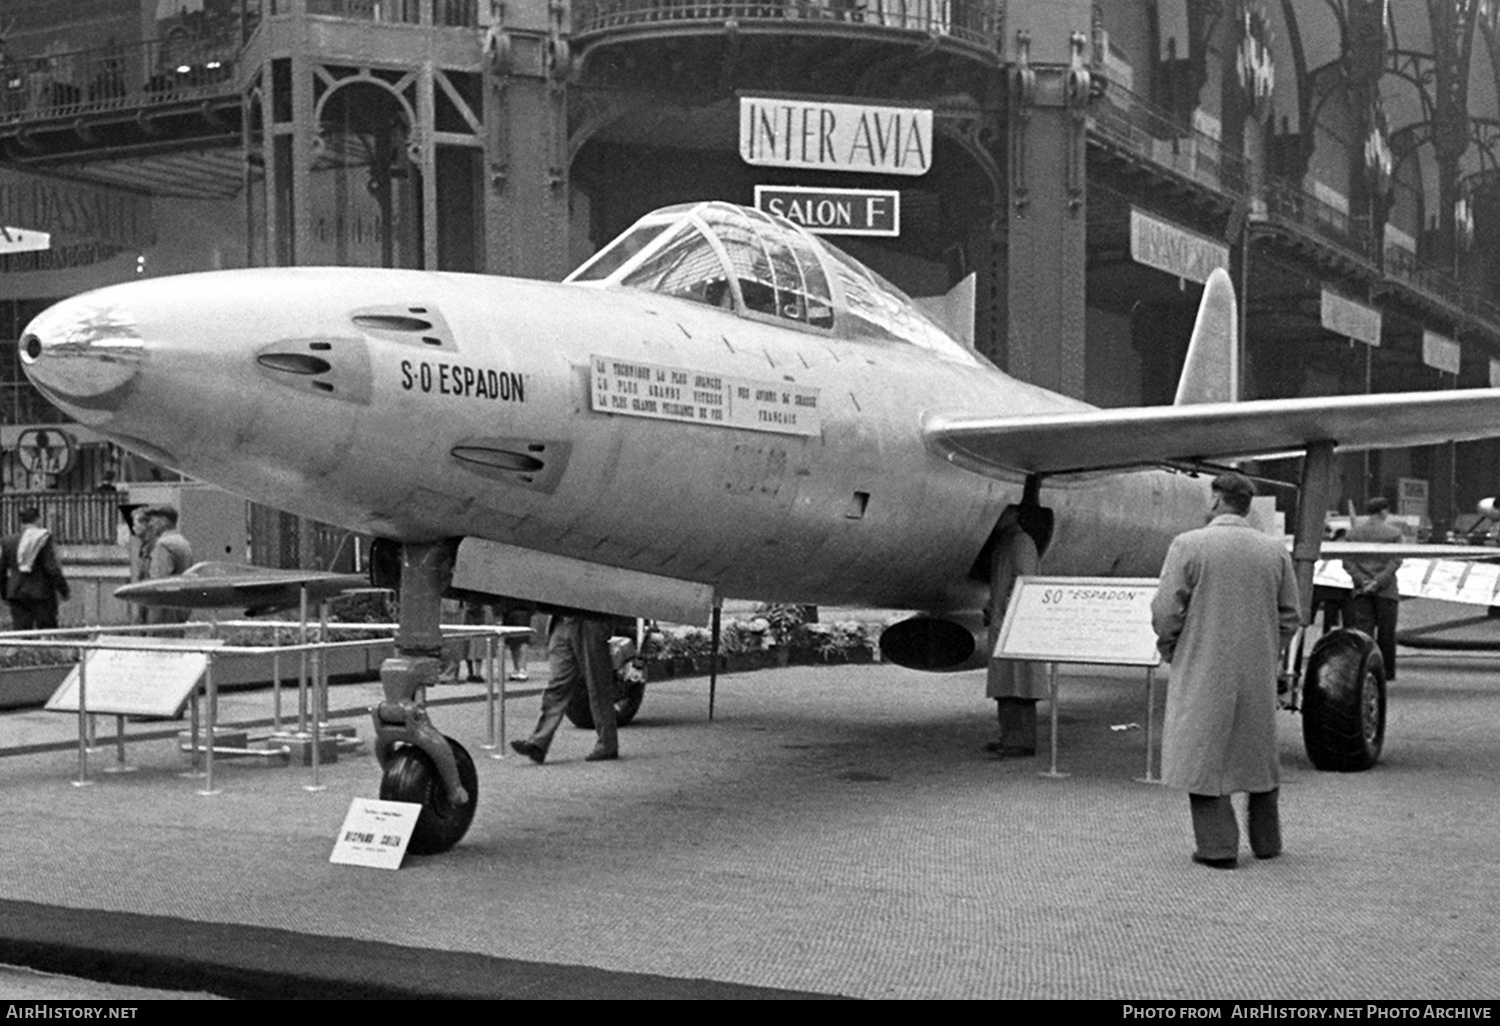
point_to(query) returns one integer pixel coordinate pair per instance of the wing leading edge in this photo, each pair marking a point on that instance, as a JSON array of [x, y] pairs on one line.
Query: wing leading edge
[[1117, 439]]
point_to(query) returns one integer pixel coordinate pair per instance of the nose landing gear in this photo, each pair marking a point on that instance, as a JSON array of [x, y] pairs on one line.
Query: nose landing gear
[[411, 776], [419, 764]]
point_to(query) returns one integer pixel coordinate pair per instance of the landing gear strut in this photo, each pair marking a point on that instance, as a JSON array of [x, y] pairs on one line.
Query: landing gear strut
[[1343, 690], [419, 764]]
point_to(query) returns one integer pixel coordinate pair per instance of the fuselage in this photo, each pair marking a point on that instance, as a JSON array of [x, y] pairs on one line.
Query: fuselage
[[420, 405]]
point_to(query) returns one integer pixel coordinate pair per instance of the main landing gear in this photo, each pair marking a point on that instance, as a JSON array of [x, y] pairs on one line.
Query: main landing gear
[[1343, 702], [1343, 686], [629, 682], [419, 764]]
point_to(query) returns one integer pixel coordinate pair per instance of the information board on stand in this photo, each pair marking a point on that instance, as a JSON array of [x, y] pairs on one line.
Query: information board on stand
[[135, 676], [1104, 620]]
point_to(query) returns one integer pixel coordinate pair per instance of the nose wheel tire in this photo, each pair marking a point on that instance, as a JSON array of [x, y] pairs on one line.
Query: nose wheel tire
[[1343, 702], [410, 776]]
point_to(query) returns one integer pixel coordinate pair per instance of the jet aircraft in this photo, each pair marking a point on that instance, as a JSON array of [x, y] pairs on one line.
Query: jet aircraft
[[716, 405]]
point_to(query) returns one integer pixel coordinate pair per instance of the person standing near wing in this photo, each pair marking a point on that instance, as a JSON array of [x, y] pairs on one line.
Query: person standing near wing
[[1375, 601], [1014, 684], [1225, 609]]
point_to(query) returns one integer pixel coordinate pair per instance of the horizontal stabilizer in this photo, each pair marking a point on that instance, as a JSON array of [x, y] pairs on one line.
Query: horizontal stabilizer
[[1445, 580], [1403, 550], [1091, 439]]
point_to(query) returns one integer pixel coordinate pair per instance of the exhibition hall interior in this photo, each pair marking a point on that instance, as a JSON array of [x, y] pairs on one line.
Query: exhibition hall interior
[[1090, 162], [680, 320]]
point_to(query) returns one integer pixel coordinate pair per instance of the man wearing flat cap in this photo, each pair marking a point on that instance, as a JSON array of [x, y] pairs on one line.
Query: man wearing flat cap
[[167, 554], [1224, 611], [1375, 601]]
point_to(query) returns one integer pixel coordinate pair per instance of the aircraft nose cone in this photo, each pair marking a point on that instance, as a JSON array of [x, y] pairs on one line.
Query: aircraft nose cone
[[84, 357]]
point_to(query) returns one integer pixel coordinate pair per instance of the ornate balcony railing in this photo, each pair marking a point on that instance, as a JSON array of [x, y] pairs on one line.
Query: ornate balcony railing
[[1129, 122], [74, 518], [117, 78], [972, 21], [1293, 206], [450, 13]]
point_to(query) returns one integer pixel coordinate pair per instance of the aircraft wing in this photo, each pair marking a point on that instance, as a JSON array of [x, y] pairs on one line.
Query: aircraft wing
[[1112, 439], [1404, 550], [1470, 583]]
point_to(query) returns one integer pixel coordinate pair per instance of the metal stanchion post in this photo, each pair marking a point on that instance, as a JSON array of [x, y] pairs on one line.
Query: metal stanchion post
[[193, 735], [317, 724], [490, 743], [119, 766], [1052, 699], [212, 725], [320, 694], [1150, 777], [276, 681], [83, 747], [502, 684], [302, 671]]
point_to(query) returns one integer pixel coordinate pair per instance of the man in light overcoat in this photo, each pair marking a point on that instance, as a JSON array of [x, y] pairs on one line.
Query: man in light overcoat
[[1223, 613]]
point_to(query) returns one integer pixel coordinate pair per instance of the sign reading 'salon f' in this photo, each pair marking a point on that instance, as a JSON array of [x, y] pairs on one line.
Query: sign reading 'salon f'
[[778, 132], [834, 211]]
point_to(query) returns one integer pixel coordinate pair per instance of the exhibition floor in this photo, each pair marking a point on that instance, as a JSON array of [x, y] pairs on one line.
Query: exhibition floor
[[833, 831]]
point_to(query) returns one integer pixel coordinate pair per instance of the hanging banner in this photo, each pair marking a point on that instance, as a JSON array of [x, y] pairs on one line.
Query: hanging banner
[[1167, 247], [1350, 319], [1441, 353]]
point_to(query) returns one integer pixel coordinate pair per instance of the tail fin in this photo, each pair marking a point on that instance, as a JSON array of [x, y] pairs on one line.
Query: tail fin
[[1212, 371]]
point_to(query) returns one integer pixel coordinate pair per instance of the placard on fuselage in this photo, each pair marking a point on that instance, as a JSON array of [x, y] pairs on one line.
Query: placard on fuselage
[[635, 389]]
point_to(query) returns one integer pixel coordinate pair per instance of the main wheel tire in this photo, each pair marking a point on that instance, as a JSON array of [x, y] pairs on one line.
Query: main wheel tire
[[628, 702], [410, 776], [1343, 702], [628, 698]]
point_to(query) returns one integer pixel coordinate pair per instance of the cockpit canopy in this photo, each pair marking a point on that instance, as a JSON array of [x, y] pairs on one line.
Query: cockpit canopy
[[762, 267]]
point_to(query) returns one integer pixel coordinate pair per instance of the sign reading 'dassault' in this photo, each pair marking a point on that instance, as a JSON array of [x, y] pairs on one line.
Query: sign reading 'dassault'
[[697, 397], [835, 136]]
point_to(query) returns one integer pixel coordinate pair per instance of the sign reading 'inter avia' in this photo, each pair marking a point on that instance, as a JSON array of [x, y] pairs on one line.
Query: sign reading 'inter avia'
[[835, 136], [834, 211]]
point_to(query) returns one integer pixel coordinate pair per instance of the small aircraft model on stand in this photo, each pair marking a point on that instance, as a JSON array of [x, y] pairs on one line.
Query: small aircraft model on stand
[[254, 589], [716, 405]]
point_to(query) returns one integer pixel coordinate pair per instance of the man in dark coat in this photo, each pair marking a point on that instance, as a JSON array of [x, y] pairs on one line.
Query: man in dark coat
[[30, 578], [1224, 611]]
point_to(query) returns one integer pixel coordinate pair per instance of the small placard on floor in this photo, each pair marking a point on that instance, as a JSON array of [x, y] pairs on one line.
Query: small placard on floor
[[375, 833]]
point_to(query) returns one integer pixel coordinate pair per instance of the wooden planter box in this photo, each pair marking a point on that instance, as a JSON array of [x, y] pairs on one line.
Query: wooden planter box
[[744, 662], [26, 687]]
